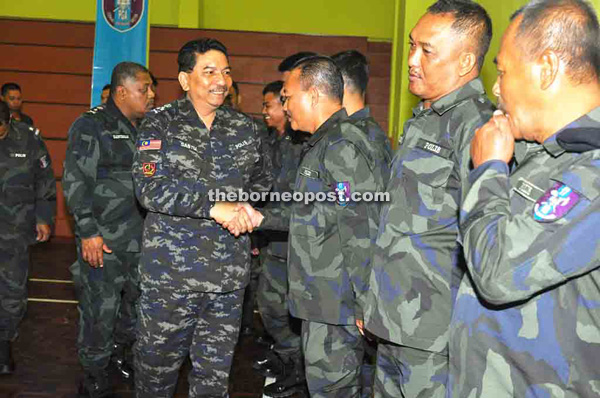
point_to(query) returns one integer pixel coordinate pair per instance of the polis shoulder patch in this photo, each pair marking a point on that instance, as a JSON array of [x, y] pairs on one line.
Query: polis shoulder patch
[[343, 193], [147, 145], [149, 169], [555, 203]]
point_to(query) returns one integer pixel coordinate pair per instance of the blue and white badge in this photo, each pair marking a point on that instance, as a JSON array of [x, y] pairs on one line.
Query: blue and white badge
[[555, 203], [343, 193]]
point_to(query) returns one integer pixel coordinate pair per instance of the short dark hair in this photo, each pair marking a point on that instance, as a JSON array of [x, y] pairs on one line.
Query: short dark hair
[[124, 71], [235, 86], [274, 87], [186, 59], [106, 86], [355, 70], [288, 63], [153, 78], [321, 72], [6, 87], [4, 113], [569, 27], [471, 21]]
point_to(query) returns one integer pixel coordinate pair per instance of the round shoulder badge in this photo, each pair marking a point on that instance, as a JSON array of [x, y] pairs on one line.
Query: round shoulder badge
[[123, 15]]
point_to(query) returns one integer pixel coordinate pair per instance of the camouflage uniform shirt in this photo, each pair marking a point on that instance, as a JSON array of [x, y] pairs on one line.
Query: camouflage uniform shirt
[[328, 252], [527, 322], [177, 163], [416, 262], [97, 178], [27, 186]]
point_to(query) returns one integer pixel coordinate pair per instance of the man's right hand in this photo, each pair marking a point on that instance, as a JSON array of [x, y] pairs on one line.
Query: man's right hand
[[93, 249]]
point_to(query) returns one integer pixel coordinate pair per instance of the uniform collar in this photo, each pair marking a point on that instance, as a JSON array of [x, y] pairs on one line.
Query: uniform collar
[[581, 135], [472, 89], [338, 116], [114, 110], [361, 114], [188, 112]]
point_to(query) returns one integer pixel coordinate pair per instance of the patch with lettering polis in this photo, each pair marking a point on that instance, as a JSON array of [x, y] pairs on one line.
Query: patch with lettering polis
[[555, 203], [434, 148]]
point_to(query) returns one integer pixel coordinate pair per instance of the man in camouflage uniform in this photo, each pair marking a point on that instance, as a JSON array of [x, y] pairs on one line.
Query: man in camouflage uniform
[[329, 241], [527, 320], [193, 272], [99, 192], [286, 358], [417, 261], [27, 209], [355, 71]]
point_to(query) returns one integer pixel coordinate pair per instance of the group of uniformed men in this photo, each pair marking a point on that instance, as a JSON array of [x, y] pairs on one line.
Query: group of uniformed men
[[478, 278]]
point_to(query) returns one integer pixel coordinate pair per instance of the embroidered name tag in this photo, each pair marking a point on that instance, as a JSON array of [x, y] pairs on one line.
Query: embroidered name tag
[[434, 148], [18, 155], [189, 146], [528, 190], [120, 137], [309, 173], [555, 203]]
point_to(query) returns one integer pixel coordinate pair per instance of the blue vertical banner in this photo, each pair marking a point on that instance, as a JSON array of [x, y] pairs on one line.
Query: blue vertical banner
[[122, 32]]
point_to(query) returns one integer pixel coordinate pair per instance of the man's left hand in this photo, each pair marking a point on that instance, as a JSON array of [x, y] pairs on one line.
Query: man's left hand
[[493, 141]]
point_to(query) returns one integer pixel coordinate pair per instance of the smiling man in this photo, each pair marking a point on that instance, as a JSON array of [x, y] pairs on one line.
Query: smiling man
[[193, 272], [417, 260], [108, 225]]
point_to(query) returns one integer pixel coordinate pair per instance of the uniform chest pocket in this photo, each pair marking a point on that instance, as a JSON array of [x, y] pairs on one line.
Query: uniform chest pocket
[[309, 218], [429, 175], [20, 172], [188, 159], [245, 159]]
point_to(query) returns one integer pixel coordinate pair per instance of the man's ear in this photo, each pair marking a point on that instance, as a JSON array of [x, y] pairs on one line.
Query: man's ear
[[121, 93], [314, 96], [466, 62], [548, 65], [184, 81]]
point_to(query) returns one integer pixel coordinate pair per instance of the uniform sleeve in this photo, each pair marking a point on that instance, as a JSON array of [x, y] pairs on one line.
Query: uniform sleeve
[[512, 257], [45, 185], [79, 175], [261, 178], [160, 185], [356, 221]]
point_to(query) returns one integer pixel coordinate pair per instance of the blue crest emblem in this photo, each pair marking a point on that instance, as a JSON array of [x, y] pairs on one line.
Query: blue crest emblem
[[555, 203], [342, 191], [123, 15]]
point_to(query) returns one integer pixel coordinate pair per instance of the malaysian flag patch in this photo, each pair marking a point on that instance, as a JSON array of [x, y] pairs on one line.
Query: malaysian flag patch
[[147, 145]]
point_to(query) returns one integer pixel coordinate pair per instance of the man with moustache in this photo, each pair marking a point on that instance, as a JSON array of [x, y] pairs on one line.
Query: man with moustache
[[417, 262], [527, 321], [193, 272], [98, 189], [329, 241], [285, 360]]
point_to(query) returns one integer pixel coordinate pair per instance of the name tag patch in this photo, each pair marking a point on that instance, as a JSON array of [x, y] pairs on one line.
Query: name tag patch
[[242, 144], [18, 155], [555, 203], [306, 172], [189, 146], [147, 145], [434, 148], [528, 190], [120, 137]]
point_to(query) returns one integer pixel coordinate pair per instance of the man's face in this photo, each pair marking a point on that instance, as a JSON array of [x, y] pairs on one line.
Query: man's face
[[139, 96], [515, 85], [298, 104], [13, 100], [104, 95], [272, 111], [208, 83], [433, 59]]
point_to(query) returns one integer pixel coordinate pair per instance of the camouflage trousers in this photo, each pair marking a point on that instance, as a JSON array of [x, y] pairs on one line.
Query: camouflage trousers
[[250, 295], [333, 358], [410, 372], [14, 267], [174, 324], [272, 304], [107, 299]]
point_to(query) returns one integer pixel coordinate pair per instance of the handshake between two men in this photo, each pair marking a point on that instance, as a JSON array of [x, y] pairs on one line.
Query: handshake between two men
[[237, 217]]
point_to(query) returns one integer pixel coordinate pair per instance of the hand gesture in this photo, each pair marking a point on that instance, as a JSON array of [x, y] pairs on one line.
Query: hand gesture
[[43, 232], [92, 251], [494, 140]]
